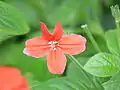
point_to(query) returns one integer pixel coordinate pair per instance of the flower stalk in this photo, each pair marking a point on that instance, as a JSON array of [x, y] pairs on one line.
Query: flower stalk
[[116, 14], [80, 67], [87, 31]]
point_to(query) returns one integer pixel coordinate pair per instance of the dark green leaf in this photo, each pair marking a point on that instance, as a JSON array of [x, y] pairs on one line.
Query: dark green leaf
[[11, 20], [62, 84], [113, 83], [28, 11], [95, 28], [71, 12]]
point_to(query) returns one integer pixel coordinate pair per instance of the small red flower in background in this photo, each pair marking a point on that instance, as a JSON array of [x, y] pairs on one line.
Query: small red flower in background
[[11, 79], [55, 45]]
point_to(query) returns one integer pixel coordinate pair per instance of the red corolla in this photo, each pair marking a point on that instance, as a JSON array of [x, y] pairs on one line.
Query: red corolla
[[55, 45], [11, 79]]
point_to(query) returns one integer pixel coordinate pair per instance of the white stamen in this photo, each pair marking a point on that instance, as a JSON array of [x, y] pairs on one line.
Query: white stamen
[[52, 42]]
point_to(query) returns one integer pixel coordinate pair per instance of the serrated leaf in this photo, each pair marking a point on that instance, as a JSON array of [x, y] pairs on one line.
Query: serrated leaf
[[11, 20], [103, 65]]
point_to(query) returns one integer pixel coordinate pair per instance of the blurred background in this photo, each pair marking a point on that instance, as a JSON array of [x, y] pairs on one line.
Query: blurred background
[[72, 14]]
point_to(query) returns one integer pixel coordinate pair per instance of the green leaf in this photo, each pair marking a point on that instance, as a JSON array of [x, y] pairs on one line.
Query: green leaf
[[113, 83], [3, 37], [103, 65], [28, 11], [112, 41], [11, 20], [64, 83]]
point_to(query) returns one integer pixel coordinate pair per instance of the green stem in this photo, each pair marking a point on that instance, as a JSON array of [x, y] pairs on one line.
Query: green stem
[[80, 67], [118, 32], [92, 39]]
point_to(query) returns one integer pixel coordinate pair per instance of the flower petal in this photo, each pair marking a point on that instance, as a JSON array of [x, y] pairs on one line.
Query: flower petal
[[23, 86], [45, 33], [36, 47], [73, 44], [56, 61], [9, 78], [58, 31]]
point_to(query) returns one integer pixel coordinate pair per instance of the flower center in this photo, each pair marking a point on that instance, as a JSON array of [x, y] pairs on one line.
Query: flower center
[[53, 44]]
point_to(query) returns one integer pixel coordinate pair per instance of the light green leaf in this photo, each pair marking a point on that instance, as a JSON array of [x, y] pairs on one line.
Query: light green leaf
[[113, 83], [11, 20], [103, 65], [112, 41]]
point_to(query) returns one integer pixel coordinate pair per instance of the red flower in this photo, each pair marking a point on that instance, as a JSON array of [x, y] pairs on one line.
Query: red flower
[[55, 45], [11, 79]]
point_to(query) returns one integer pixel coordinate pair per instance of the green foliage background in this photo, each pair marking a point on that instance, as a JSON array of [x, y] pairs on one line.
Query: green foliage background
[[19, 21]]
